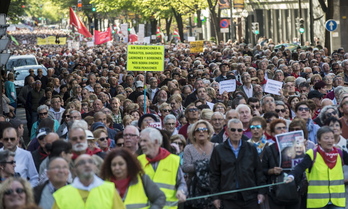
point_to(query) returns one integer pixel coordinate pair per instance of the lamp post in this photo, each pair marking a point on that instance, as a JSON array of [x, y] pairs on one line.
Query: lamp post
[[231, 21]]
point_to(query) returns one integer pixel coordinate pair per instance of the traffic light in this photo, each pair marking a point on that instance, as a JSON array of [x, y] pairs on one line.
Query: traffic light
[[301, 26], [255, 28], [94, 9]]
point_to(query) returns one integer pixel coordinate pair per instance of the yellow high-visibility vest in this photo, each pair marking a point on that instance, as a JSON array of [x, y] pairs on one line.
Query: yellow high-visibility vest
[[164, 176], [100, 197], [136, 197], [325, 184]]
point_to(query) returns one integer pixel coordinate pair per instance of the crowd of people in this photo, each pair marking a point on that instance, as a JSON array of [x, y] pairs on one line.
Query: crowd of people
[[105, 137]]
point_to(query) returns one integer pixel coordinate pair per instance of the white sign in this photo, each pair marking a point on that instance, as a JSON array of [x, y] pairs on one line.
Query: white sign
[[141, 33], [90, 43], [224, 30], [191, 38], [156, 125], [273, 87], [147, 40], [124, 29], [153, 37], [228, 86]]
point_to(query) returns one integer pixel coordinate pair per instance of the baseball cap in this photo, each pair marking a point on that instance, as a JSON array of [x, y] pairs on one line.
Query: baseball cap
[[139, 84], [97, 125], [43, 132], [315, 94]]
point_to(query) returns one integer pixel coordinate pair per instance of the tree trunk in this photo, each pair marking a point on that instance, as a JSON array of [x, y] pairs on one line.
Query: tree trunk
[[199, 24], [168, 24], [153, 23], [215, 17], [178, 19], [329, 15]]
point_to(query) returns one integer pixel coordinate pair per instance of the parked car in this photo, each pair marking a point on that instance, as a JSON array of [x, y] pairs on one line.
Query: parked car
[[20, 60], [21, 72]]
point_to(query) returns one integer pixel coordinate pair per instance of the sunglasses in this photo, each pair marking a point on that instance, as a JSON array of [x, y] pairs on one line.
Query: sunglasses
[[255, 127], [329, 114], [255, 106], [12, 139], [166, 110], [201, 129], [280, 128], [280, 110], [170, 124], [120, 144], [236, 129], [303, 109], [178, 143], [103, 139], [67, 116], [193, 110], [11, 162], [43, 113], [17, 190]]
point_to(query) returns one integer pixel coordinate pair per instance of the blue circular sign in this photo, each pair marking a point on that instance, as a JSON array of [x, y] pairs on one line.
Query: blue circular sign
[[331, 25], [224, 23]]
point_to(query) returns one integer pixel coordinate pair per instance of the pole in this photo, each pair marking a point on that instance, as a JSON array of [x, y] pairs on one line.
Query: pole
[[231, 21], [311, 26], [300, 15], [144, 92]]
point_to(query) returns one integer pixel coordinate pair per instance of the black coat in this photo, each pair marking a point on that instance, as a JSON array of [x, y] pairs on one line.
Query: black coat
[[226, 170]]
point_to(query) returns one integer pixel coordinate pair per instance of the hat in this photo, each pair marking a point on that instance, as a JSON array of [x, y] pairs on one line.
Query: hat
[[140, 121], [16, 122], [89, 135], [97, 125], [191, 76], [139, 84], [43, 132], [315, 94]]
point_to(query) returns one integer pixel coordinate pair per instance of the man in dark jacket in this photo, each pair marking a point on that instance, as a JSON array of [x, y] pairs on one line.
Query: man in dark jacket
[[57, 173], [234, 165]]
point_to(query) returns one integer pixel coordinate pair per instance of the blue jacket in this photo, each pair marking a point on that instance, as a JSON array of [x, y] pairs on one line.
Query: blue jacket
[[312, 130]]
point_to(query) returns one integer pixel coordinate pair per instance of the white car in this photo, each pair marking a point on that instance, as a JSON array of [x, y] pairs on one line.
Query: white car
[[20, 60]]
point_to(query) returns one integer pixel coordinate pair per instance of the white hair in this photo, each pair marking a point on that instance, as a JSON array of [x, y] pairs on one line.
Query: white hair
[[153, 134]]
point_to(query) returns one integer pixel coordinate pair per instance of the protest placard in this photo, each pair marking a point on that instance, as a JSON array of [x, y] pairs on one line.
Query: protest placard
[[273, 87], [291, 148], [145, 58], [227, 85]]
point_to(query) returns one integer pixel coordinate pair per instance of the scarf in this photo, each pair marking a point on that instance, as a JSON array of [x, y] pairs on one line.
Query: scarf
[[163, 153], [121, 185], [42, 153], [88, 152], [330, 158], [95, 150]]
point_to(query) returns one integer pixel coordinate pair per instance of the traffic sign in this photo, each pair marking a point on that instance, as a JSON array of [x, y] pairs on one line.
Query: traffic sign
[[331, 25], [224, 23]]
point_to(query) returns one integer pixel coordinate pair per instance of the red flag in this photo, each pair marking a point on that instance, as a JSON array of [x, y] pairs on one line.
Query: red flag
[[176, 34], [76, 22], [102, 37]]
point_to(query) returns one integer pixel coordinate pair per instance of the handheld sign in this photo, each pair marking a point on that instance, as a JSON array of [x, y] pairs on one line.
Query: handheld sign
[[273, 87], [227, 85], [145, 58]]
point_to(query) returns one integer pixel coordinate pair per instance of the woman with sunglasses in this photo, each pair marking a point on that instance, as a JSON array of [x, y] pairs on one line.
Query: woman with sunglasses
[[63, 128], [271, 169], [257, 126], [102, 140], [15, 193], [7, 165], [196, 159], [136, 189]]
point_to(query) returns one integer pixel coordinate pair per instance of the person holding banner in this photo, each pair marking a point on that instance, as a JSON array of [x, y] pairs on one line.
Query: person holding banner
[[271, 167], [324, 172]]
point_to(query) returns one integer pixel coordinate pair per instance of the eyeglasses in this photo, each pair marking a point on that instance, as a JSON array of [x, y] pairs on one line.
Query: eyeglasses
[[303, 109], [329, 114], [236, 129], [193, 110], [43, 113], [17, 190], [120, 144], [58, 168], [103, 139], [201, 129], [178, 143], [281, 127], [255, 127], [280, 110], [166, 110], [67, 116], [76, 138], [11, 162], [255, 106], [170, 124], [12, 139], [31, 71], [129, 135]]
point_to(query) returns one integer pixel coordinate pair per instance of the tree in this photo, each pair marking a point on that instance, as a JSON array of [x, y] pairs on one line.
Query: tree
[[328, 10]]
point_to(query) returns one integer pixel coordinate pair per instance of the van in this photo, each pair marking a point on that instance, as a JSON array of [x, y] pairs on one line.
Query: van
[[20, 60]]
